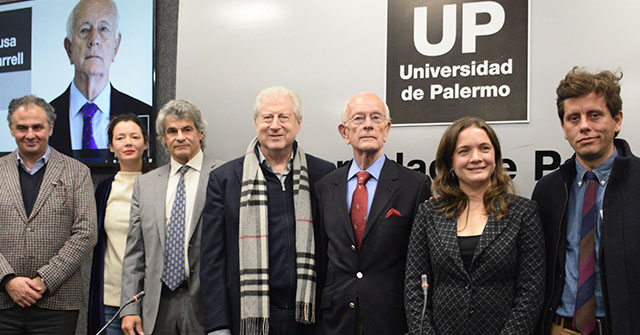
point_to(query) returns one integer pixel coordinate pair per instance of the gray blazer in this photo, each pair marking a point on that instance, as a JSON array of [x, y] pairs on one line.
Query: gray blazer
[[56, 238], [144, 254]]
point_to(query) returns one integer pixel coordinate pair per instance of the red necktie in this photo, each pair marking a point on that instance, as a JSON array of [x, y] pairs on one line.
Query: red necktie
[[584, 317], [359, 207]]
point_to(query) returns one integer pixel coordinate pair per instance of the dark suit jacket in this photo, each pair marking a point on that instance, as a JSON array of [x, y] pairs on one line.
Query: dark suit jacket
[[96, 319], [120, 104], [619, 239], [56, 238], [219, 269], [381, 260], [501, 293]]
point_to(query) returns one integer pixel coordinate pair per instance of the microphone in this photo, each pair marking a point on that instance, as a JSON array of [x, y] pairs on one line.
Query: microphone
[[425, 292], [135, 298]]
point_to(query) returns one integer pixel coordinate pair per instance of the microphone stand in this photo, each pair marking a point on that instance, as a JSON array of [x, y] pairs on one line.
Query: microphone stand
[[425, 291], [135, 298]]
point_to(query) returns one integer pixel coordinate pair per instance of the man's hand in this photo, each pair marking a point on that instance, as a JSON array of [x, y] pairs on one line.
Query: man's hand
[[131, 322], [38, 281], [24, 291]]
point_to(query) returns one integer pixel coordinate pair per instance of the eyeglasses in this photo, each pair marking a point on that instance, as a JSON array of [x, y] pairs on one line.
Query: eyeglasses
[[359, 119]]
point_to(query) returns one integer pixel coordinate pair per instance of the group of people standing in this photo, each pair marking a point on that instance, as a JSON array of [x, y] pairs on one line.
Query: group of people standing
[[279, 241]]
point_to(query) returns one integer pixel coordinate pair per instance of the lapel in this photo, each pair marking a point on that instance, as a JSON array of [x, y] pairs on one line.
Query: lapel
[[238, 171], [448, 232], [207, 166], [387, 187], [10, 174], [61, 138], [339, 196], [50, 181], [491, 231], [159, 194]]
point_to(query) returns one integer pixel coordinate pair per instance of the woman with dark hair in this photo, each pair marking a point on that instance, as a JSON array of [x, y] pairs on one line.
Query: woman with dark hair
[[127, 141], [479, 245]]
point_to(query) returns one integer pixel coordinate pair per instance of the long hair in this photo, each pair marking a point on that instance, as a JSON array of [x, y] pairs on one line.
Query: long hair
[[446, 184], [146, 167]]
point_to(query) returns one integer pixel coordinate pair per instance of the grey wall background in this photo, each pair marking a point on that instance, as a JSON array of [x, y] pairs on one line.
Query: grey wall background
[[330, 50]]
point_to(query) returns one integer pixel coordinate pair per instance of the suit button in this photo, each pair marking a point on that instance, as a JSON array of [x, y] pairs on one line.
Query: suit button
[[471, 311], [359, 275], [29, 229], [352, 305], [353, 247], [467, 287]]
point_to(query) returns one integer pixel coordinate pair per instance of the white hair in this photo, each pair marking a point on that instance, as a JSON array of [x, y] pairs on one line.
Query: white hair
[[74, 13], [278, 90], [345, 111]]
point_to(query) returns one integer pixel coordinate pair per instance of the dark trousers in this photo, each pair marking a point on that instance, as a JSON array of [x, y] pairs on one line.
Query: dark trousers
[[37, 321], [283, 321], [175, 313]]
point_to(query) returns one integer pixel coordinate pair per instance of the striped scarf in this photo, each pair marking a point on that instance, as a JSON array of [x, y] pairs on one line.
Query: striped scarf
[[254, 245]]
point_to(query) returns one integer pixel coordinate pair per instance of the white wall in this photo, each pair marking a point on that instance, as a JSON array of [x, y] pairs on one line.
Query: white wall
[[327, 51]]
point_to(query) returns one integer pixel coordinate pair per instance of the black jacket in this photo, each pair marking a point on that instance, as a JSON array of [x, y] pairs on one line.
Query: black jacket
[[219, 268], [374, 276], [619, 241], [120, 104]]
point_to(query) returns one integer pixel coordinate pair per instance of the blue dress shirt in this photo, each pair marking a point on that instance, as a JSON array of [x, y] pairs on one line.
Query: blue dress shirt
[[100, 119], [42, 161], [372, 183], [574, 219]]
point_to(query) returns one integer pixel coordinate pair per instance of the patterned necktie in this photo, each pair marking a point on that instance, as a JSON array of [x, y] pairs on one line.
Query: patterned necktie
[[359, 207], [173, 270], [88, 111], [584, 315]]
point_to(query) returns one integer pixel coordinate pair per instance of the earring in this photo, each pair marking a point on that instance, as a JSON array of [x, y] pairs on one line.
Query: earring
[[453, 174]]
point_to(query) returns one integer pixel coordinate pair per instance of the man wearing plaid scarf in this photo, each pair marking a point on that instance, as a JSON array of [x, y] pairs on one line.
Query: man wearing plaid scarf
[[258, 249]]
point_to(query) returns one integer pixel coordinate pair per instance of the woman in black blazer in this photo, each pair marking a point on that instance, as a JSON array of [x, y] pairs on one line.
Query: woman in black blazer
[[128, 141], [480, 246]]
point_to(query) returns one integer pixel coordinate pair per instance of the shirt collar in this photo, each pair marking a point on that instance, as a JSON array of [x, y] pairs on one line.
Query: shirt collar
[[40, 162], [263, 160], [195, 163], [602, 172], [77, 100], [374, 169]]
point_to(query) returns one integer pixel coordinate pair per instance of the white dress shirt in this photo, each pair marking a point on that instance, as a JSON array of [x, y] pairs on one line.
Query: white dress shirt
[[191, 188]]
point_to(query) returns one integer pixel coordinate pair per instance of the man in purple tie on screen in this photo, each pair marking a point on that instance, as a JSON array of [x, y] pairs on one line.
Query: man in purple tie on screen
[[590, 211], [84, 109]]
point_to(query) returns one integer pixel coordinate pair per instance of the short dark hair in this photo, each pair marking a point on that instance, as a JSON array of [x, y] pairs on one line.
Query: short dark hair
[[127, 117], [579, 82], [135, 119], [31, 99]]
